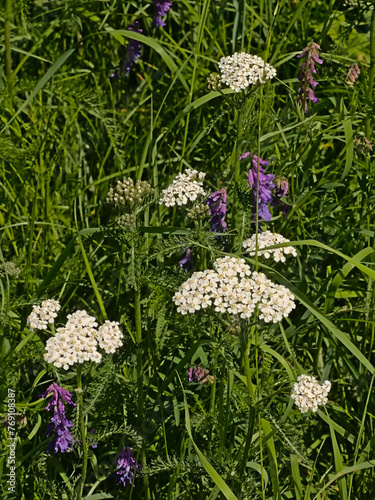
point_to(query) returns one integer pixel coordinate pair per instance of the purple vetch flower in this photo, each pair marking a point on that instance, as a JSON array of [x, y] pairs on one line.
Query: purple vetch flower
[[217, 203], [307, 68], [57, 394], [200, 374], [352, 74], [134, 50], [62, 440], [186, 261], [126, 467], [265, 185], [161, 9]]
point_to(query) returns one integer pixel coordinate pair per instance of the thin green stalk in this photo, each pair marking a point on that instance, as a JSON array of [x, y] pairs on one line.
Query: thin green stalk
[[237, 168], [261, 454], [8, 56], [245, 347], [370, 285], [201, 27], [82, 428], [361, 430], [370, 87], [138, 332]]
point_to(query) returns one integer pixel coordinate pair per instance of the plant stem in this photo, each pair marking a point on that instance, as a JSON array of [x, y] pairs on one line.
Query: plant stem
[[237, 169], [138, 331], [8, 57], [370, 87], [81, 421], [245, 347]]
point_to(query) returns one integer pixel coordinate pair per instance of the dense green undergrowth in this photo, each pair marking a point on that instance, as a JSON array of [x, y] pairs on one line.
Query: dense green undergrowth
[[72, 124]]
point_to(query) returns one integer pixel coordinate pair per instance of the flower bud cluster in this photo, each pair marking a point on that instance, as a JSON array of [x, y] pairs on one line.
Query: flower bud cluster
[[199, 212], [127, 196], [78, 341], [352, 74], [268, 239], [232, 288], [43, 315], [9, 269], [186, 187], [126, 220], [308, 394], [241, 70], [200, 374], [214, 82]]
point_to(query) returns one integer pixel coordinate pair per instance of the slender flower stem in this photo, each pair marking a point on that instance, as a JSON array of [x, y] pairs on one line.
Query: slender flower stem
[[370, 87], [245, 345], [138, 331], [8, 57], [237, 169], [82, 427]]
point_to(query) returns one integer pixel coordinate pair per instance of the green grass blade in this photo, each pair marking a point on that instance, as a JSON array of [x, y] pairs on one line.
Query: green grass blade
[[340, 335], [92, 280], [216, 478], [347, 470], [44, 80], [339, 278], [151, 42], [296, 476], [338, 464], [272, 456], [298, 12]]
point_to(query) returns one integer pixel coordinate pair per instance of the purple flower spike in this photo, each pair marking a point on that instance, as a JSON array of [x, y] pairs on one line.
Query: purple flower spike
[[200, 374], [161, 9], [126, 467], [134, 50], [62, 440], [265, 186], [217, 203], [352, 74], [307, 69], [57, 394]]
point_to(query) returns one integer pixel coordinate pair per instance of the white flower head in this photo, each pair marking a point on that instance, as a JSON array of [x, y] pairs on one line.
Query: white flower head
[[109, 336], [186, 187], [267, 239], [43, 315], [232, 288], [79, 339], [308, 394], [241, 70]]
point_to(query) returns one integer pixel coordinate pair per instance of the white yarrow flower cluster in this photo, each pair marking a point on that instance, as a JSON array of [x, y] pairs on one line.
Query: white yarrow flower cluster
[[109, 336], [308, 394], [43, 315], [241, 70], [268, 239], [232, 288], [78, 341], [186, 187]]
